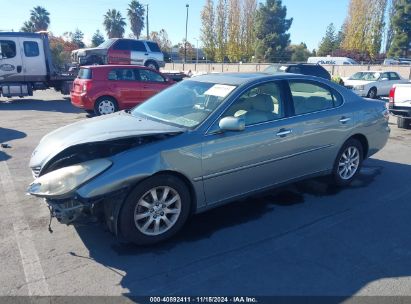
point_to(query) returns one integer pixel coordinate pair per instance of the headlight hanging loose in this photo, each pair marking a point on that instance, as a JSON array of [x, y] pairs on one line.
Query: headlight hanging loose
[[63, 181]]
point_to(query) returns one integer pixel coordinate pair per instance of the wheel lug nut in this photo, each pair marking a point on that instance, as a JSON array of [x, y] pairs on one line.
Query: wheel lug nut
[[164, 205], [157, 204], [155, 216], [162, 213]]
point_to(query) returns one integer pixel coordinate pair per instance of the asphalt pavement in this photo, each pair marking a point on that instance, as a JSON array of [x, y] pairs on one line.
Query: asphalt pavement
[[308, 238]]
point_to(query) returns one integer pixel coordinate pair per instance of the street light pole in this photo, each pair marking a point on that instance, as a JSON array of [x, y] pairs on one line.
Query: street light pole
[[148, 32], [185, 42], [197, 51]]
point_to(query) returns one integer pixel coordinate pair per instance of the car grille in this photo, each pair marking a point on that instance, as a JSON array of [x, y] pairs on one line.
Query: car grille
[[36, 171], [349, 87]]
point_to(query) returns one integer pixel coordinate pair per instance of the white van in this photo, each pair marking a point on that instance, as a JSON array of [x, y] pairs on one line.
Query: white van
[[332, 60]]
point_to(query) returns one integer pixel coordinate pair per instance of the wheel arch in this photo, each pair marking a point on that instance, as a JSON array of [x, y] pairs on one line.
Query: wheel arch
[[364, 143], [186, 181]]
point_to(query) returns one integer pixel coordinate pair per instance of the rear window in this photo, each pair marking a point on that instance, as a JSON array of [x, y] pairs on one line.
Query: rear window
[[153, 46], [84, 74], [31, 49]]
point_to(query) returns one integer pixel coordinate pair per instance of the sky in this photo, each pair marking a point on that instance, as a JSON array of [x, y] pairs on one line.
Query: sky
[[310, 17]]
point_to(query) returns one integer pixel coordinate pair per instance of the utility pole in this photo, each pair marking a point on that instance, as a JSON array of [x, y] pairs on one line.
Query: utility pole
[[148, 32], [185, 42]]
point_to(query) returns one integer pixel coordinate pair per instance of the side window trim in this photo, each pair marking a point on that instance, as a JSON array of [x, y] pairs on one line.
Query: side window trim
[[14, 48]]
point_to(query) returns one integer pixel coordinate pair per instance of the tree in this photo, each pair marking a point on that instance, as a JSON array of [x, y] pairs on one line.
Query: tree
[[28, 26], [77, 38], [221, 28], [271, 28], [364, 26], [299, 52], [191, 54], [208, 37], [39, 20], [329, 43], [61, 51], [390, 27], [162, 40], [247, 29], [135, 13], [97, 39], [234, 31], [114, 24], [401, 41]]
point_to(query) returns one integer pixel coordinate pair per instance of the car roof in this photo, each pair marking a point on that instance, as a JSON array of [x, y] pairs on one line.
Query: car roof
[[243, 78], [110, 66]]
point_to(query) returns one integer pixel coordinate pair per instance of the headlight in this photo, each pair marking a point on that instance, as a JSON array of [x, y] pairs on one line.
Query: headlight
[[63, 181], [359, 88]]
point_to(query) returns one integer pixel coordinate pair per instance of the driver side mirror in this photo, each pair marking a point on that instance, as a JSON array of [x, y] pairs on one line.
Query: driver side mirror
[[232, 123]]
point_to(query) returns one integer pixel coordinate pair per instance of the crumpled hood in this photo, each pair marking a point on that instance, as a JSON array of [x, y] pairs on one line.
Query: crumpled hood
[[108, 127], [357, 82]]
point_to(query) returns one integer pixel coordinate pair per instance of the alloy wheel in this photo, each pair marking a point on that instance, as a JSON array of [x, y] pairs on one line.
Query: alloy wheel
[[349, 162], [157, 210]]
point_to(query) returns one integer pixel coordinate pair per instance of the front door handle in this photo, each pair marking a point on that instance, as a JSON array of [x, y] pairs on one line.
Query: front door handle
[[344, 119], [19, 67], [284, 132]]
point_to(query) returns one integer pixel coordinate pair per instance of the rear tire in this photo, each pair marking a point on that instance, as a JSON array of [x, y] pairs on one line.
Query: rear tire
[[348, 162], [155, 210], [152, 65], [105, 105], [403, 122]]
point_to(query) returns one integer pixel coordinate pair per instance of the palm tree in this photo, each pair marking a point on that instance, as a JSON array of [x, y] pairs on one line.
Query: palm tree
[[114, 24], [28, 26], [40, 19], [135, 13]]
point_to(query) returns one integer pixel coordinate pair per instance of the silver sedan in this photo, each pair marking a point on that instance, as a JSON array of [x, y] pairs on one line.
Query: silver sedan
[[202, 143]]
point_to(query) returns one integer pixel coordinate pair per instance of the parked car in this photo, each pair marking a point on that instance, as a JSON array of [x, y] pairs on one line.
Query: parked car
[[400, 104], [202, 143], [299, 68], [372, 84], [105, 89], [122, 51]]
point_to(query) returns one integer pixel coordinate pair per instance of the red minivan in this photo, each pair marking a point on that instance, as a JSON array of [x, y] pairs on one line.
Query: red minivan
[[105, 89]]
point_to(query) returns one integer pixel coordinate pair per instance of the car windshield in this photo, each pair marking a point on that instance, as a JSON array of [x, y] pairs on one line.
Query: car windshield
[[365, 76], [106, 44], [186, 104]]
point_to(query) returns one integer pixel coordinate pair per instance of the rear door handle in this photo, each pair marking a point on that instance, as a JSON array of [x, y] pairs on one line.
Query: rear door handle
[[284, 132], [344, 119]]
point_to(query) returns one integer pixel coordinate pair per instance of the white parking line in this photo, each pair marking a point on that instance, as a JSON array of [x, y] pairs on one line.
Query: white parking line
[[33, 272]]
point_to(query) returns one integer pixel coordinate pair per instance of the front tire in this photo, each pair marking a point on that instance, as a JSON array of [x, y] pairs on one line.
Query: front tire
[[372, 93], [155, 210], [348, 162], [105, 105]]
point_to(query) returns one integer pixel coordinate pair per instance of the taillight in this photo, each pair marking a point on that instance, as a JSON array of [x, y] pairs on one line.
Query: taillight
[[86, 86], [391, 96]]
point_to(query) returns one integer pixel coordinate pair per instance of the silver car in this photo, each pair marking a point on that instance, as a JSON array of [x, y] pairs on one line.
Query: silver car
[[202, 143]]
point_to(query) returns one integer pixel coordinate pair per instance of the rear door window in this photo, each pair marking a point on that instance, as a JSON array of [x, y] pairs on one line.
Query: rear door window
[[31, 49], [150, 76], [153, 46], [7, 49], [394, 76], [123, 74], [137, 46], [311, 97]]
